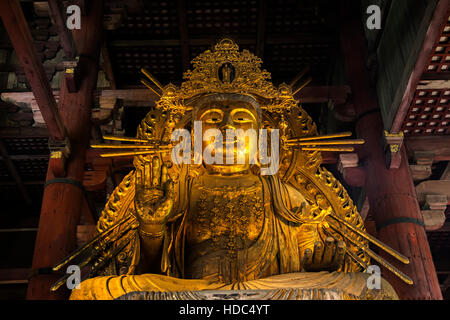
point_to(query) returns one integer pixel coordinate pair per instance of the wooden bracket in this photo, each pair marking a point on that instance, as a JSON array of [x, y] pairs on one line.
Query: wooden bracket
[[392, 146], [421, 170], [72, 74], [95, 180], [433, 211], [348, 165], [59, 153]]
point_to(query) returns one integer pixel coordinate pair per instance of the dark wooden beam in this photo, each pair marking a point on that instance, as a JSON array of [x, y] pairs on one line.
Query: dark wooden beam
[[143, 97], [330, 157], [20, 36], [14, 173], [432, 35], [435, 76], [26, 183], [14, 275], [438, 145], [65, 37], [184, 37], [23, 132], [313, 94], [27, 157], [6, 67], [243, 40], [261, 34], [107, 67]]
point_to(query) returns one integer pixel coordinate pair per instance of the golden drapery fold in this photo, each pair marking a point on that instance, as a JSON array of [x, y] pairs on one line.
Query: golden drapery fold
[[334, 285]]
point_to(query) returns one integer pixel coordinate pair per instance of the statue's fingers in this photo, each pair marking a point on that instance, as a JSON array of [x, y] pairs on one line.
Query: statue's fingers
[[164, 175], [138, 177], [318, 252], [307, 258], [156, 171], [147, 174], [339, 256], [165, 207], [328, 251], [169, 189]]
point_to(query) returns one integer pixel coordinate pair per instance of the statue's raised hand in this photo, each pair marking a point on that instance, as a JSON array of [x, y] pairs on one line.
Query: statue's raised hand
[[326, 257], [154, 195]]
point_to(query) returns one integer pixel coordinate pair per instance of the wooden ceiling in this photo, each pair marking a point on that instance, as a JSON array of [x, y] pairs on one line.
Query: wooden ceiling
[[165, 36], [429, 112]]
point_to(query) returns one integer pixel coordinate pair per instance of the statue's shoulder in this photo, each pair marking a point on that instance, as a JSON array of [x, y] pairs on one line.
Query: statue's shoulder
[[291, 196]]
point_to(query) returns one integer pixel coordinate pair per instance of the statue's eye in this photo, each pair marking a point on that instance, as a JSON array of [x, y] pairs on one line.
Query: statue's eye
[[212, 117], [242, 117]]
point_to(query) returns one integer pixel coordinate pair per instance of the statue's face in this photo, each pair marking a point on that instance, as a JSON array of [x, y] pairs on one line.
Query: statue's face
[[226, 117]]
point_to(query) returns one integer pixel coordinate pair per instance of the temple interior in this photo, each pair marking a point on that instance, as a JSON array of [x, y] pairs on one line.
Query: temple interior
[[382, 75]]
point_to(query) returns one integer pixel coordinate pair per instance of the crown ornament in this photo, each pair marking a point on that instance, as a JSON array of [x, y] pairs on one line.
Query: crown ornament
[[227, 70], [224, 69]]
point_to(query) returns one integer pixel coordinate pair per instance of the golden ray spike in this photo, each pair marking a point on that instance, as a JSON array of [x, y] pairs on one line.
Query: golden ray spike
[[331, 149], [86, 261], [152, 78], [304, 84], [63, 279], [373, 255], [129, 146], [372, 239], [96, 266], [352, 255], [89, 244], [132, 153], [299, 76], [328, 143], [357, 259], [126, 139], [322, 137], [111, 253], [148, 85]]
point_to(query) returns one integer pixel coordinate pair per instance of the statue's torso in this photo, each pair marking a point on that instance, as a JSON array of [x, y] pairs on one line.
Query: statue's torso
[[226, 215]]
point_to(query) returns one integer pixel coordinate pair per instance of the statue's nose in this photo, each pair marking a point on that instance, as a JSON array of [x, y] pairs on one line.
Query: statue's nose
[[227, 123]]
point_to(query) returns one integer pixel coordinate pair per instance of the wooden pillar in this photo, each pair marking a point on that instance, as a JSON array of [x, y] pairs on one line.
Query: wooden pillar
[[63, 198], [392, 197]]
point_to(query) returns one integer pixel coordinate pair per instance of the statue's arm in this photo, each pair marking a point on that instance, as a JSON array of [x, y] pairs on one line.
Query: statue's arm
[[151, 243], [316, 253], [153, 202]]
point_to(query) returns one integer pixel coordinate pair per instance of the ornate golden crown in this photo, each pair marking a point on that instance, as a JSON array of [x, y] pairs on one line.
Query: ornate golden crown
[[224, 69]]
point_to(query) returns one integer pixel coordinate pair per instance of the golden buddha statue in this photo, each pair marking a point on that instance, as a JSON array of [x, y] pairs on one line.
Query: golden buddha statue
[[194, 226]]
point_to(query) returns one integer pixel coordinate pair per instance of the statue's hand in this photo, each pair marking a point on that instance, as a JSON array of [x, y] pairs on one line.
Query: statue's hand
[[328, 257], [154, 195]]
